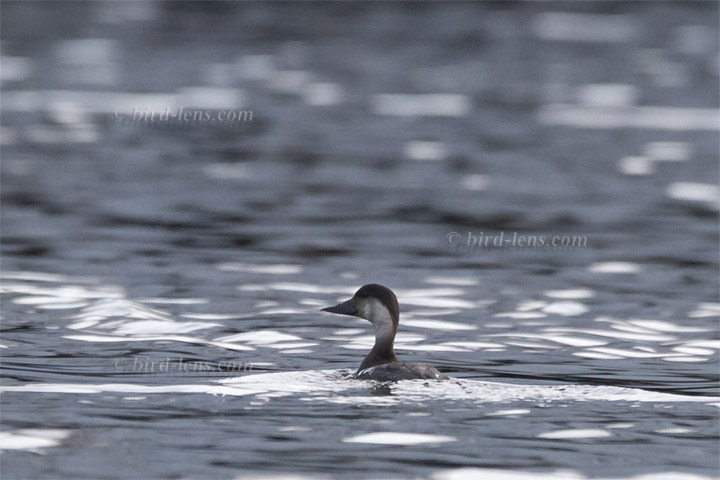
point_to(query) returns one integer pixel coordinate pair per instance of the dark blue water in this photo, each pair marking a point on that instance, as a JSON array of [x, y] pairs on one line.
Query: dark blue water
[[162, 275]]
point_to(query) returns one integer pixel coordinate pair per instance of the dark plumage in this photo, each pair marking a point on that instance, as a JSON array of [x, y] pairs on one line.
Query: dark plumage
[[379, 305], [397, 370]]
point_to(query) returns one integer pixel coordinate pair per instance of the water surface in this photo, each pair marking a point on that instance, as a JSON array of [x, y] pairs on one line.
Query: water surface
[[162, 279]]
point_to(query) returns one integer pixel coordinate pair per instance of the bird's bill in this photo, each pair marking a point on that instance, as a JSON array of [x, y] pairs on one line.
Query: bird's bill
[[345, 308]]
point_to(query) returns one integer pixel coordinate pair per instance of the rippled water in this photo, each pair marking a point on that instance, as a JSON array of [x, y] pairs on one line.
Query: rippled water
[[162, 280]]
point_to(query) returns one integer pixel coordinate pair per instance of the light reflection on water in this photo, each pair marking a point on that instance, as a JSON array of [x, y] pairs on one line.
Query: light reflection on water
[[104, 316], [129, 244]]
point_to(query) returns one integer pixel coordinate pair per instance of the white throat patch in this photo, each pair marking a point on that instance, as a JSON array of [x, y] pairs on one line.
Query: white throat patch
[[379, 316]]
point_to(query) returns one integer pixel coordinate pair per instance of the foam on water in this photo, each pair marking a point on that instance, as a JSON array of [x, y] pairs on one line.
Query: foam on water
[[317, 384]]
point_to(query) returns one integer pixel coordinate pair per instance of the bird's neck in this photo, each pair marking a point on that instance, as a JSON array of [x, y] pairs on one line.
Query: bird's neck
[[382, 352]]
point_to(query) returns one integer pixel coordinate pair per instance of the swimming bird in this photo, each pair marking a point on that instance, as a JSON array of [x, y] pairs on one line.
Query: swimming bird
[[379, 306]]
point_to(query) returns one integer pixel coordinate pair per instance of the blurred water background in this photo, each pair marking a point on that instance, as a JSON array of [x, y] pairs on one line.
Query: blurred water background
[[162, 276]]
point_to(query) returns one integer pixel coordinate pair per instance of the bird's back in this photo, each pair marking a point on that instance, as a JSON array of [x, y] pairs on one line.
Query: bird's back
[[395, 371]]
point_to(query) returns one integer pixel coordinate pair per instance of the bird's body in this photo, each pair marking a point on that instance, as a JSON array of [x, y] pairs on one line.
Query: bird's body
[[391, 372], [379, 306]]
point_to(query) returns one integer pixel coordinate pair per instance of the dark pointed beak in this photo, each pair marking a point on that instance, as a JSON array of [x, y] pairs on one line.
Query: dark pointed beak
[[345, 308]]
